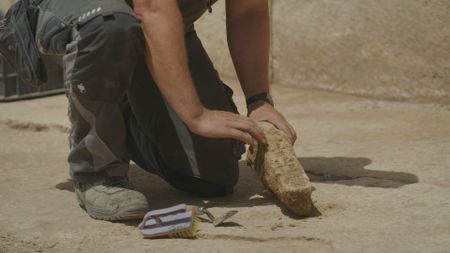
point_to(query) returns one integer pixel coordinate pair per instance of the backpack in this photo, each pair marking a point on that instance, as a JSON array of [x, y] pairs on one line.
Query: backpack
[[17, 42]]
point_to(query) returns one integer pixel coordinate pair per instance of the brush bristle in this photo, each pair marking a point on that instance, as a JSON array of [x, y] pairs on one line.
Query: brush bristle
[[189, 233]]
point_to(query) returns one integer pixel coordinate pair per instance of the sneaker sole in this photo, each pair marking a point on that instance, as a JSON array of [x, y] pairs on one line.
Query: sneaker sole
[[117, 216], [280, 171]]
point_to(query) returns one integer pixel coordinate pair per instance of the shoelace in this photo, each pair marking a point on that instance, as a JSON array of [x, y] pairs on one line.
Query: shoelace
[[118, 182]]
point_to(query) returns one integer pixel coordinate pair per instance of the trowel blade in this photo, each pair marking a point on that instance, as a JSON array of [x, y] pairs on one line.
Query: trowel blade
[[219, 220]]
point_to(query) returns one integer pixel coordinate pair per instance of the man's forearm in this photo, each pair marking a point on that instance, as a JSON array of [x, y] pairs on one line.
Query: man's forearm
[[167, 61], [166, 56], [248, 31]]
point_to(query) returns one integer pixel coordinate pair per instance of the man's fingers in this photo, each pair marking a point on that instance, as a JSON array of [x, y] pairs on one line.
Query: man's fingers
[[287, 131], [288, 127], [249, 126], [242, 136], [258, 134], [255, 133], [294, 134], [221, 124]]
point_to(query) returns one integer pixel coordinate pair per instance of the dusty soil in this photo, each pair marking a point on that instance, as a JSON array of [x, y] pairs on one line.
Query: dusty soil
[[380, 172]]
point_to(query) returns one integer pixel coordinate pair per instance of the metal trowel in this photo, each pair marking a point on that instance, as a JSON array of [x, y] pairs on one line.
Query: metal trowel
[[199, 210]]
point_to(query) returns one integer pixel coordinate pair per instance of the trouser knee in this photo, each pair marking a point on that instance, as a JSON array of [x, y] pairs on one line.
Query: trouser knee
[[201, 187], [207, 174], [100, 60]]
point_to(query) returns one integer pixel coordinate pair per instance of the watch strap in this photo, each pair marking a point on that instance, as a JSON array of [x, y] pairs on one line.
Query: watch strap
[[264, 96]]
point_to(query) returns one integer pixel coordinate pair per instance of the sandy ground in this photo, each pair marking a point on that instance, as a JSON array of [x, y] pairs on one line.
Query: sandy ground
[[380, 171]]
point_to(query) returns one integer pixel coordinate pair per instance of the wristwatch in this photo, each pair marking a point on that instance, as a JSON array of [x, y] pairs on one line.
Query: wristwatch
[[264, 96]]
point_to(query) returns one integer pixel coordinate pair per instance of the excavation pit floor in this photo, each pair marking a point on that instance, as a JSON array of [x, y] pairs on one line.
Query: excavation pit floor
[[380, 170]]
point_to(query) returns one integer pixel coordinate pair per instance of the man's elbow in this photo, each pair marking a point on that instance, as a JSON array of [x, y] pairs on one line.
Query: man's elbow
[[151, 8]]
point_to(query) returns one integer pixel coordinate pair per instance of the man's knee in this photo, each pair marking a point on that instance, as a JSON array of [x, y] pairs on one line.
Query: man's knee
[[123, 28], [210, 180], [218, 178], [113, 36], [201, 187], [100, 61]]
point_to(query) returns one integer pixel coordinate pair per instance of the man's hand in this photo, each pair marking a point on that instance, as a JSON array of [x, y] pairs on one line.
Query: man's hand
[[221, 124], [262, 111]]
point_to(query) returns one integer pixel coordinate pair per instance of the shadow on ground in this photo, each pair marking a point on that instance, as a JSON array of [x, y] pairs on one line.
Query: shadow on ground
[[352, 171], [250, 192], [247, 193]]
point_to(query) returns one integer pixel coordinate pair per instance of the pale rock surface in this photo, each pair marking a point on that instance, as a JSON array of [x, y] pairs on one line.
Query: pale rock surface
[[388, 49]]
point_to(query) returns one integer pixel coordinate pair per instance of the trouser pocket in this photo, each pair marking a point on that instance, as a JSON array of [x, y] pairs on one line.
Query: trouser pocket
[[100, 60], [52, 34]]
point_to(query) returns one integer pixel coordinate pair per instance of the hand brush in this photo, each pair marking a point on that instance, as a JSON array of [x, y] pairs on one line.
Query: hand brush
[[172, 222]]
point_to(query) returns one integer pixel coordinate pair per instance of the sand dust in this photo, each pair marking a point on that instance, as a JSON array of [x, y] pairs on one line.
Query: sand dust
[[380, 171]]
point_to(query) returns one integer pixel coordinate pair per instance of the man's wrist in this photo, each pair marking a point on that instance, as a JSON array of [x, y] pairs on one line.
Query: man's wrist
[[260, 97], [255, 106], [194, 116]]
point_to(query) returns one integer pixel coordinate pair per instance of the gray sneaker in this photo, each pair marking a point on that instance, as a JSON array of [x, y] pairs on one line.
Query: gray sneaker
[[113, 199]]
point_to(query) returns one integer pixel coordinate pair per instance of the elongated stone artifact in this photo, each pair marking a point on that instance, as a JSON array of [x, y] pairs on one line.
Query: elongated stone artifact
[[280, 171]]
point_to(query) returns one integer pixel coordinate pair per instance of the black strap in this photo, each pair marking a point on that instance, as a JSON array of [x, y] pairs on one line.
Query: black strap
[[264, 96]]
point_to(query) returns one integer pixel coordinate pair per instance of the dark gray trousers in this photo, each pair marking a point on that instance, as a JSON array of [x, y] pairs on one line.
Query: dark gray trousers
[[116, 110]]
